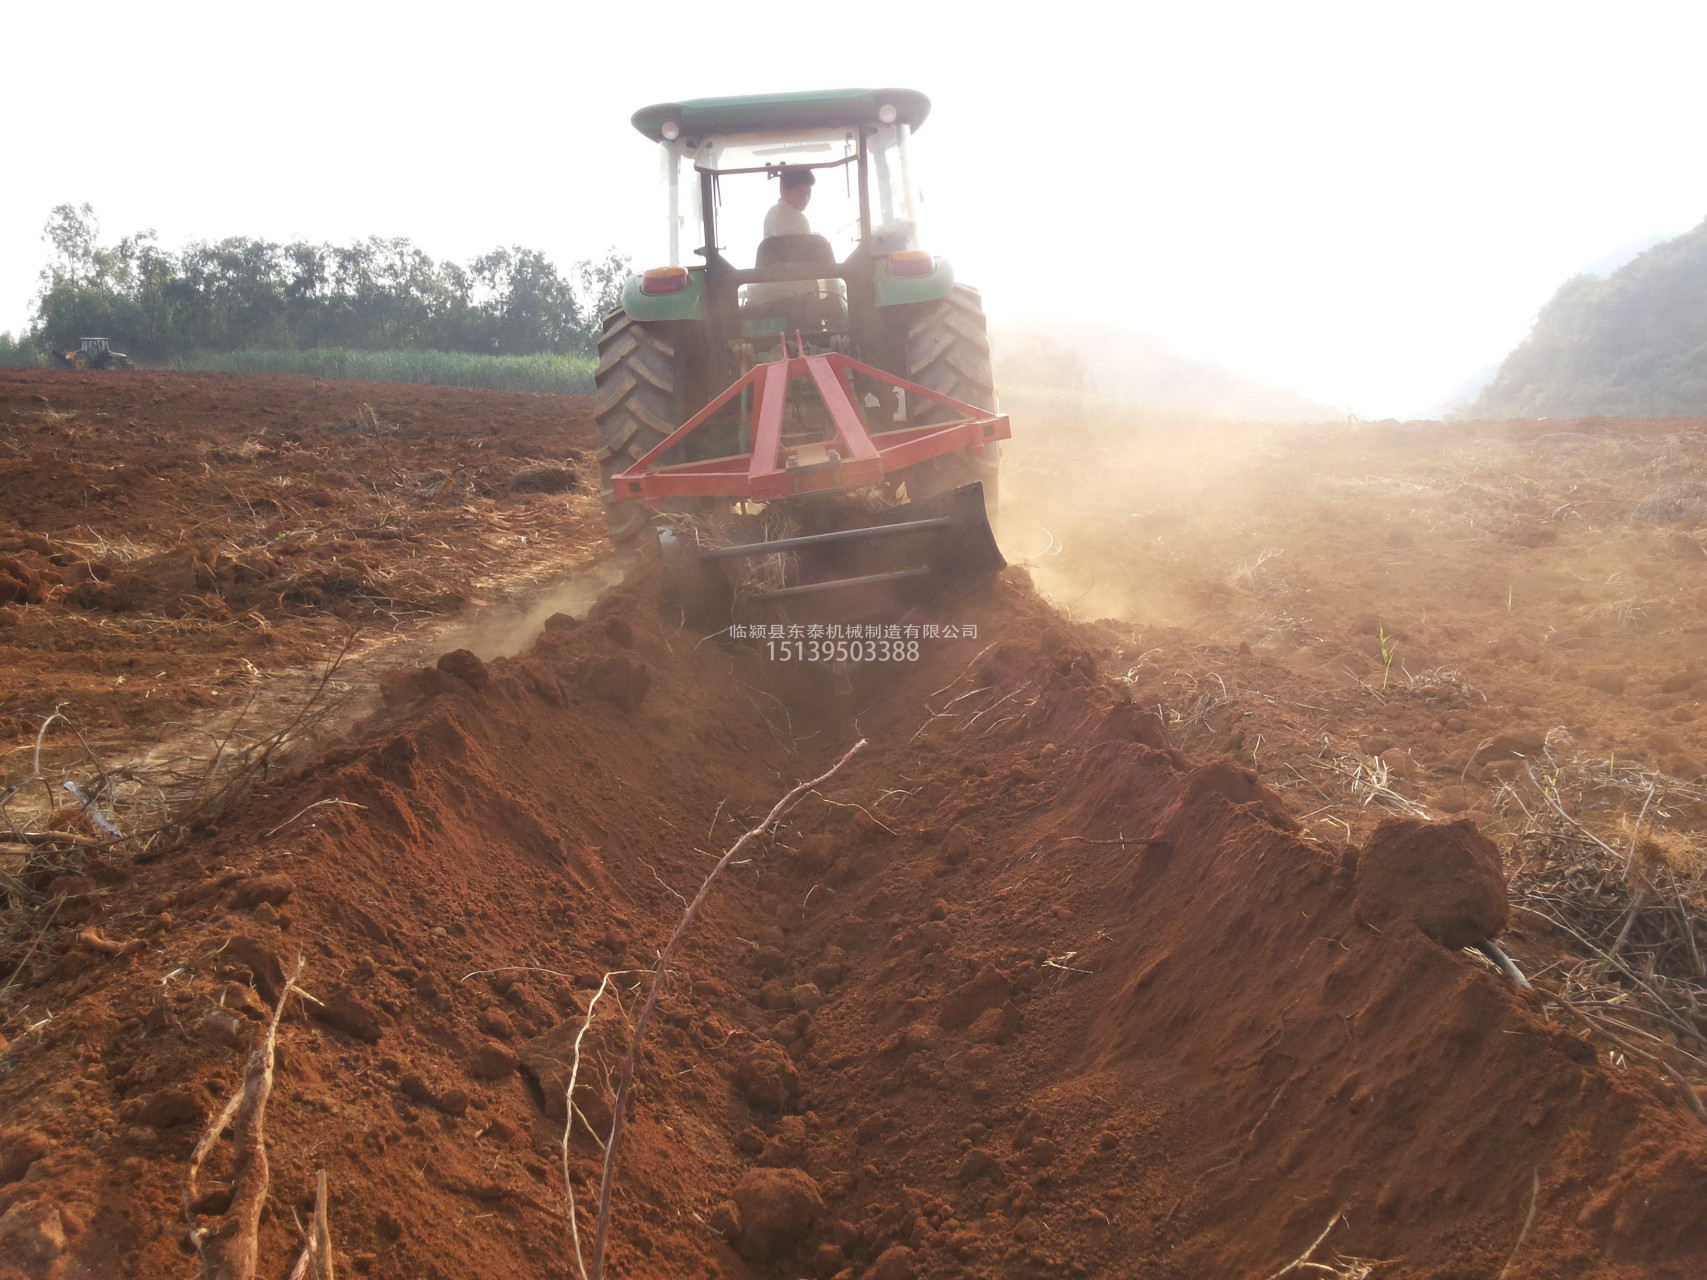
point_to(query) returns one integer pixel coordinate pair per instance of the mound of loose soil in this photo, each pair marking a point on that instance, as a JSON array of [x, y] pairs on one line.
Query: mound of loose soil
[[164, 537], [1027, 991]]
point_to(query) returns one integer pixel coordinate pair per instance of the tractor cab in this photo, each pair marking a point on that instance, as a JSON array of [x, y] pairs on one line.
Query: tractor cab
[[94, 353], [725, 163]]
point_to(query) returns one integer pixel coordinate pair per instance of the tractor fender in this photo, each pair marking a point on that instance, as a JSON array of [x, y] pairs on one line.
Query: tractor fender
[[899, 291], [650, 307]]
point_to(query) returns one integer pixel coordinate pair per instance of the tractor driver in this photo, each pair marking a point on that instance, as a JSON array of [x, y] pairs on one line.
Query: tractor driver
[[787, 217]]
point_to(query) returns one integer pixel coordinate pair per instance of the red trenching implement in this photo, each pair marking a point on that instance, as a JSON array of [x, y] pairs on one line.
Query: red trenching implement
[[774, 470], [891, 560]]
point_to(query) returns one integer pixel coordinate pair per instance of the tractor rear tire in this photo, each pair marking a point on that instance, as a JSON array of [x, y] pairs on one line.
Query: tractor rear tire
[[948, 351], [639, 404]]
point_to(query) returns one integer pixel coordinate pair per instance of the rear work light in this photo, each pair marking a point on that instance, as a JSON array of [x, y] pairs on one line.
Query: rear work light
[[664, 280], [670, 131], [911, 262]]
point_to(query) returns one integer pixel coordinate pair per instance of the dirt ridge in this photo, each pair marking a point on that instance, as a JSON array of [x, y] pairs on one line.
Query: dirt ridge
[[995, 1038]]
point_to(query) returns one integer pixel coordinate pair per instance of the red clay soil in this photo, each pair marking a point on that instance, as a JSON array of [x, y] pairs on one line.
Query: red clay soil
[[1026, 992], [165, 538]]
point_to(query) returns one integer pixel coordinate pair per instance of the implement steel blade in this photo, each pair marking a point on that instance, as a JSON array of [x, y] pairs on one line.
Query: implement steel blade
[[893, 562]]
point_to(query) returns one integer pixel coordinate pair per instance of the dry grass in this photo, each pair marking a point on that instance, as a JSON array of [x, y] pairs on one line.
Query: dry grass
[[1441, 682], [1368, 779], [1633, 914], [1192, 702], [1258, 576], [137, 806], [85, 815]]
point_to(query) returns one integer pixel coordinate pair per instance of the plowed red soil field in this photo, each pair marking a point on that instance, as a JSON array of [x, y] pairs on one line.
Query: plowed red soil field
[[167, 538], [1126, 947]]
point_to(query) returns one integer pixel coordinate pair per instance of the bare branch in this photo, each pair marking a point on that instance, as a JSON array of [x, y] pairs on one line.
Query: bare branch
[[626, 1079]]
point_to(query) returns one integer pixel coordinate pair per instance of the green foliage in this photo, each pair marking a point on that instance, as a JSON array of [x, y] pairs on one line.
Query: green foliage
[[1631, 345], [547, 373], [378, 294], [19, 351]]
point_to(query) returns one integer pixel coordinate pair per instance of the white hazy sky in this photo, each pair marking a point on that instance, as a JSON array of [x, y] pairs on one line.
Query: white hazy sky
[[1366, 202]]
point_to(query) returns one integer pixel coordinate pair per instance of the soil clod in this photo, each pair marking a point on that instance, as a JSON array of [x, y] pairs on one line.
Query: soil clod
[[774, 1209], [1444, 878]]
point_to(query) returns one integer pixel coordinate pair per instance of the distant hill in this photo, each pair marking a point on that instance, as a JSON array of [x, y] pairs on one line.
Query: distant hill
[[1456, 403], [1104, 361], [1629, 251], [1631, 345]]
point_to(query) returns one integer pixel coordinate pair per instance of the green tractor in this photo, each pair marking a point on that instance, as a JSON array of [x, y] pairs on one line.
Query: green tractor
[[94, 353], [811, 279]]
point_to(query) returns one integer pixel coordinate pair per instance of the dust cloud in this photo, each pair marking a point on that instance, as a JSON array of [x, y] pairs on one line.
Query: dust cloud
[[1389, 617], [1129, 513], [500, 631]]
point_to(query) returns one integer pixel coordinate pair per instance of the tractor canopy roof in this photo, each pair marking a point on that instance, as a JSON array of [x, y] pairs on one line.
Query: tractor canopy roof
[[764, 112]]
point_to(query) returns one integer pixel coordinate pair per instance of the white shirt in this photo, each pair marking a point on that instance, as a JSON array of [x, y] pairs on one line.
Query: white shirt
[[785, 220]]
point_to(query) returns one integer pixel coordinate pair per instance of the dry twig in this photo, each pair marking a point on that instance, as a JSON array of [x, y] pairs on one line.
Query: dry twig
[[570, 1111], [315, 1260], [1690, 1097], [334, 800], [1633, 916], [229, 1251], [1303, 1259], [1534, 1194], [159, 796]]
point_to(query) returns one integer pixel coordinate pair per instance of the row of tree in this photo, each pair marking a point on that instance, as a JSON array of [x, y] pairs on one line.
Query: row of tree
[[377, 294], [1631, 345]]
